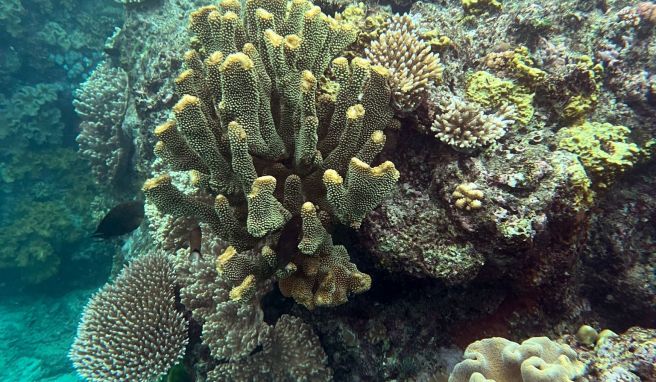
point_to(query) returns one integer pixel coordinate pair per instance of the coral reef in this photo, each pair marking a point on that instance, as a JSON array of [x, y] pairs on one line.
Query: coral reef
[[101, 102], [536, 359], [265, 99], [130, 329], [257, 156], [414, 69]]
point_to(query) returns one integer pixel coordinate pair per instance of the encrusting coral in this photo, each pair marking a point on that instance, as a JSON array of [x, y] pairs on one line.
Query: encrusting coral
[[283, 160], [492, 92], [414, 69], [603, 149], [536, 359], [464, 125], [130, 329]]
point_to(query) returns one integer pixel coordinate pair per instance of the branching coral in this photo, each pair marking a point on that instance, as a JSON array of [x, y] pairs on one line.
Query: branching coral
[[536, 359], [130, 330], [283, 161], [464, 125], [414, 69], [101, 102]]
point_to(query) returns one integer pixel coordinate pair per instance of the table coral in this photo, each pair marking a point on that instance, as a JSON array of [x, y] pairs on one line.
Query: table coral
[[280, 163]]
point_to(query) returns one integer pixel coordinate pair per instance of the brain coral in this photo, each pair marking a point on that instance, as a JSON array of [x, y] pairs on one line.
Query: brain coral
[[537, 359]]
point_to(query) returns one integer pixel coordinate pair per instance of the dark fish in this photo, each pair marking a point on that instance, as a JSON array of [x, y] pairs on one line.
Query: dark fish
[[122, 219], [195, 240]]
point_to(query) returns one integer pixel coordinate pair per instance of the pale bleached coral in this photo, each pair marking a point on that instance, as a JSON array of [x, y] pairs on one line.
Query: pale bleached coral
[[414, 69], [464, 125], [467, 196]]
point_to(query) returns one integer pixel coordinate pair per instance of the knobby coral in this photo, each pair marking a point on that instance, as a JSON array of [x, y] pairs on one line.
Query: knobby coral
[[283, 160], [130, 330], [414, 69]]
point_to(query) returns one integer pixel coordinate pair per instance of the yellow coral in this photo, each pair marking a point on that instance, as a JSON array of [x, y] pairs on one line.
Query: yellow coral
[[476, 6], [604, 150], [492, 92], [468, 197], [517, 63]]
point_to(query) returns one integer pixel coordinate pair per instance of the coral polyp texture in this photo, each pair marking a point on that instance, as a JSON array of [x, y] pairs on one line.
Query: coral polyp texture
[[130, 329], [235, 330], [101, 102], [414, 68], [283, 160], [536, 359], [465, 125]]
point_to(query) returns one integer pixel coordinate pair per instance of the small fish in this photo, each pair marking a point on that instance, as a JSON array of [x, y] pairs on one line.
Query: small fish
[[123, 218], [195, 240]]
